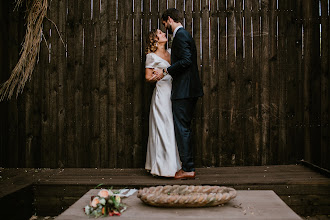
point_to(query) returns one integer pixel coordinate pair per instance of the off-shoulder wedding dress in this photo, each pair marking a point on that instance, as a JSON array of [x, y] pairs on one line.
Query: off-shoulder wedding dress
[[162, 153]]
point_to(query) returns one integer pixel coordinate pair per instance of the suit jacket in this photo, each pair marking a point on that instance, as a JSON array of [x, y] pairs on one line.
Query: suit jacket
[[184, 70]]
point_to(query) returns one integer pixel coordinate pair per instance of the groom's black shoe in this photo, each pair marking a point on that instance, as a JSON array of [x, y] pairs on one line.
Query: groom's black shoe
[[181, 174]]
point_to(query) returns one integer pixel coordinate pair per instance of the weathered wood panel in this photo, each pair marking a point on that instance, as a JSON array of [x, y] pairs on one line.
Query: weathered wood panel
[[325, 82], [129, 84], [264, 66], [103, 93], [232, 81], [120, 79], [255, 23], [199, 117], [112, 85], [206, 76], [247, 100], [264, 79], [214, 81], [223, 86], [137, 76]]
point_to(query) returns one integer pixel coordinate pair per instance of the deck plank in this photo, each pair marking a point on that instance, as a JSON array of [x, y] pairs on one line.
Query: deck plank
[[15, 179]]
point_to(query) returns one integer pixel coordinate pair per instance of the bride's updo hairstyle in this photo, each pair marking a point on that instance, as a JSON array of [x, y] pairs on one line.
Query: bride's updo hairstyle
[[152, 40]]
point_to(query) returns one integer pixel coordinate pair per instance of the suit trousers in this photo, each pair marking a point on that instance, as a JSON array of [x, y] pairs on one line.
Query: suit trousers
[[183, 110]]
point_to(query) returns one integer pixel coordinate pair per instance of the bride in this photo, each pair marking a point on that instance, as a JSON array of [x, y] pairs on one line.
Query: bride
[[162, 153]]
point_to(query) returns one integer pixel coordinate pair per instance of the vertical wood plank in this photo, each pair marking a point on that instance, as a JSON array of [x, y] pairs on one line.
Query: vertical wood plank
[[62, 149], [198, 120], [121, 93], [273, 86], [52, 142], [9, 47], [104, 81], [214, 84], [171, 3], [37, 114], [306, 78], [162, 8], [69, 90], [205, 78], [21, 116], [180, 6], [113, 142], [299, 148], [309, 68], [87, 121], [256, 80], [26, 117], [247, 102], [222, 156], [315, 83], [325, 77], [292, 37], [78, 150], [282, 55], [154, 14], [129, 83], [233, 83], [188, 16], [264, 81], [4, 68], [138, 80], [32, 119], [94, 108], [147, 88], [240, 93], [282, 68], [45, 107]]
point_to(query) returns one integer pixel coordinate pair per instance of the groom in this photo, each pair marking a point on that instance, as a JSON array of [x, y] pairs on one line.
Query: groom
[[186, 88]]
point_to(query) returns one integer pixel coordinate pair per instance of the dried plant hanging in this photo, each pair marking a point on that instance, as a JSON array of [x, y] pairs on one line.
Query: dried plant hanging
[[36, 12]]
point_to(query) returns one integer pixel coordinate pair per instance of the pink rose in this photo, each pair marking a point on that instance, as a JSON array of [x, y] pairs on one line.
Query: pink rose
[[104, 193], [95, 201]]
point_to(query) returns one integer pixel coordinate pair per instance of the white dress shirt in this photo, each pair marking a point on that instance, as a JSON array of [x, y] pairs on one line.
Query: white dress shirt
[[176, 29]]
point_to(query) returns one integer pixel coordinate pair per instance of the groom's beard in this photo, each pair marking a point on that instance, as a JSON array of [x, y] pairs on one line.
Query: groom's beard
[[169, 28]]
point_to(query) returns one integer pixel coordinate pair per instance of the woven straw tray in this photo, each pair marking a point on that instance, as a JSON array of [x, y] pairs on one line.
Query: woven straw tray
[[186, 196]]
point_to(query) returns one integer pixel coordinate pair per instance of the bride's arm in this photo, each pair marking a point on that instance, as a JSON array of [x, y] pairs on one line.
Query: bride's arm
[[150, 76]]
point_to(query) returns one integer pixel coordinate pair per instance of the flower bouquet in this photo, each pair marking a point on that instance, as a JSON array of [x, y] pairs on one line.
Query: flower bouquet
[[105, 203]]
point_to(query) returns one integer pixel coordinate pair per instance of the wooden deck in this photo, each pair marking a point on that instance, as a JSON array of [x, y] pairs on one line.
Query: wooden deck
[[53, 190]]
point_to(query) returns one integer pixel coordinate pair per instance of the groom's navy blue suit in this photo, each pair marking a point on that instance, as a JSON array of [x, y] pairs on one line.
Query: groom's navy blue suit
[[186, 88]]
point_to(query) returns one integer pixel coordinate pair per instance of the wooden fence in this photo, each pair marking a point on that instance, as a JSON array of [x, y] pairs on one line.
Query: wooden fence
[[264, 66]]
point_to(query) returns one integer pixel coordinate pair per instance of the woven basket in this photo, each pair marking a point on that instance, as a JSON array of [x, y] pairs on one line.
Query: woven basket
[[186, 196]]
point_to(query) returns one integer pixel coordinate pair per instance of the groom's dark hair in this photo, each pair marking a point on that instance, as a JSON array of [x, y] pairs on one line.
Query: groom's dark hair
[[173, 13]]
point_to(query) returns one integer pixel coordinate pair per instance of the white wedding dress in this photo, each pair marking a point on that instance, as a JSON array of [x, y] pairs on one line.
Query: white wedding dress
[[162, 153]]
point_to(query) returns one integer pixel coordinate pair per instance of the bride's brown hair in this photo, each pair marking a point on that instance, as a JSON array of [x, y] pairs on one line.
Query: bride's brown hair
[[152, 40]]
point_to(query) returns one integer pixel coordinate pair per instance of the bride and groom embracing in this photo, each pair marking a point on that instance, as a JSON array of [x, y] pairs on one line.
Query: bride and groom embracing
[[175, 71]]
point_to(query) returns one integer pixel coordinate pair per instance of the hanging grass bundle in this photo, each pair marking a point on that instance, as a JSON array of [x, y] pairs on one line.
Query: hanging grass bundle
[[36, 12]]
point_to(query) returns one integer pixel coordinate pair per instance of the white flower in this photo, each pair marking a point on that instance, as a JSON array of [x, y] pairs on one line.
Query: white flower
[[117, 199], [87, 210], [102, 201]]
